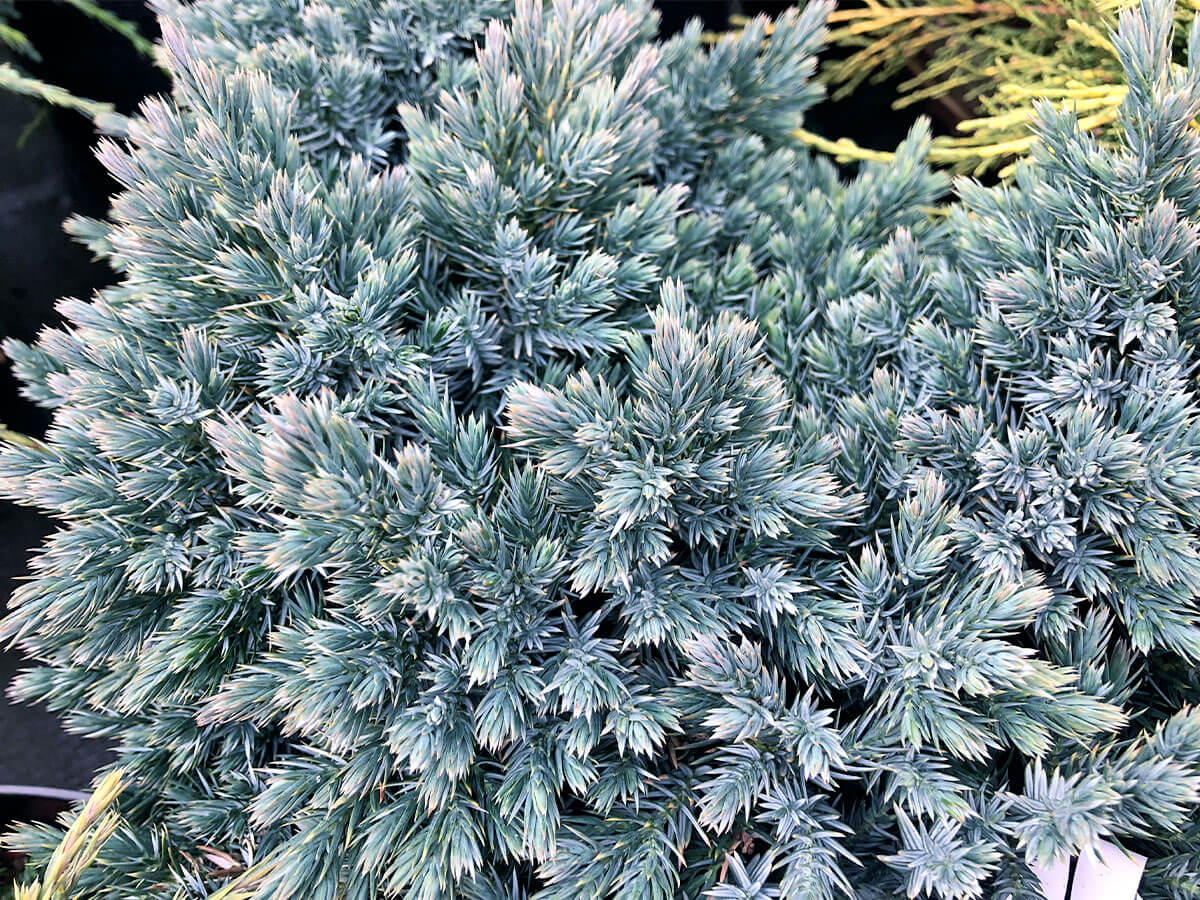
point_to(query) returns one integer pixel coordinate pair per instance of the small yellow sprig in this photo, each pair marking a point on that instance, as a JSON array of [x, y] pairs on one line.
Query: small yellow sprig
[[81, 844]]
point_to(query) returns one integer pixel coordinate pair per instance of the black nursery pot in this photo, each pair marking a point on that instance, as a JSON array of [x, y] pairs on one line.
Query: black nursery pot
[[18, 804]]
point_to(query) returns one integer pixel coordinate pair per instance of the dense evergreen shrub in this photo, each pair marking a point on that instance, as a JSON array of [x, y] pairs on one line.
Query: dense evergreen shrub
[[511, 467]]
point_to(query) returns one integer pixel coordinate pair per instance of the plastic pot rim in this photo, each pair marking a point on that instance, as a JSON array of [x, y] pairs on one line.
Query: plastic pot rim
[[47, 793]]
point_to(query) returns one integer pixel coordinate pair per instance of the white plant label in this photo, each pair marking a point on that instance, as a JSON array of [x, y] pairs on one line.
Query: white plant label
[[1113, 876], [1109, 873], [1054, 879]]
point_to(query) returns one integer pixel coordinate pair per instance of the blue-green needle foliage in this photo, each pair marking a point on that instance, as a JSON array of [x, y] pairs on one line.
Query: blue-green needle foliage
[[509, 468]]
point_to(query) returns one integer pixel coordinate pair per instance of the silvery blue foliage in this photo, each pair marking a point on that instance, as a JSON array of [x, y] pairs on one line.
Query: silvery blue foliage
[[510, 467]]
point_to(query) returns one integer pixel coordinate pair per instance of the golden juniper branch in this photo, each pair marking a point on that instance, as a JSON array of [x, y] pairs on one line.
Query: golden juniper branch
[[13, 80], [948, 151], [121, 26], [1002, 56], [80, 845]]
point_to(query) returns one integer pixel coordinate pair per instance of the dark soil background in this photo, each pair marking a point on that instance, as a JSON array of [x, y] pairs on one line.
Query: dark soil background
[[51, 174], [47, 173]]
